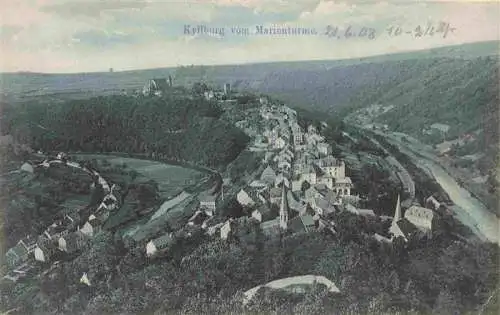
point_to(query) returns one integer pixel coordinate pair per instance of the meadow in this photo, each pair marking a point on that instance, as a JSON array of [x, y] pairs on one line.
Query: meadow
[[171, 179]]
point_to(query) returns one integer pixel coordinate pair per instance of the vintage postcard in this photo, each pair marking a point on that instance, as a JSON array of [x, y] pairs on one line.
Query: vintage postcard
[[249, 157]]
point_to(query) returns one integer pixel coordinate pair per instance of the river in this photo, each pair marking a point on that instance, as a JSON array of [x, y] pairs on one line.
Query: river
[[467, 209]]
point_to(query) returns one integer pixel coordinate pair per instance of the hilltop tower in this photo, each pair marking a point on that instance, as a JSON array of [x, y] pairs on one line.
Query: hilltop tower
[[227, 89], [284, 210]]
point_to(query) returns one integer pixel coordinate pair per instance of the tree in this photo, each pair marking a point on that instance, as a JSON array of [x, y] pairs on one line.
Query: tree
[[305, 186], [199, 88], [232, 209]]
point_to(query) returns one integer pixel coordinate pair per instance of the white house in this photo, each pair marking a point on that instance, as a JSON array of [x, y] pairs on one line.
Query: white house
[[298, 135], [61, 156], [39, 254], [421, 217], [44, 251], [258, 184], [322, 206], [297, 184], [27, 167], [342, 186], [440, 127], [268, 175], [280, 143], [332, 166], [309, 174], [84, 279], [244, 199], [432, 203], [356, 211], [87, 229], [324, 148], [151, 248], [225, 230], [312, 193], [327, 180], [209, 95], [207, 203], [159, 244], [155, 87], [71, 242], [257, 215]]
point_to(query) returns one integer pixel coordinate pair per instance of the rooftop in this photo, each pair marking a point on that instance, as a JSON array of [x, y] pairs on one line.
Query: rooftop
[[163, 240]]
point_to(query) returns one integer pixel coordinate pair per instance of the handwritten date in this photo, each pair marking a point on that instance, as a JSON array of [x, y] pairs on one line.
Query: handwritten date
[[442, 28], [349, 32]]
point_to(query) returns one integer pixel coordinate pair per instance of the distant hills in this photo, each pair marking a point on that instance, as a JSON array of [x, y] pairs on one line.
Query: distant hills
[[456, 85], [293, 80]]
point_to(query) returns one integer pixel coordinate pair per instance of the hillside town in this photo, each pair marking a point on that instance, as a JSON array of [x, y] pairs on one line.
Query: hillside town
[[67, 234], [294, 179], [298, 186]]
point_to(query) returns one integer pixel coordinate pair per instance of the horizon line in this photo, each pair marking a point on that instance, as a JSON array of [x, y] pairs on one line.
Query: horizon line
[[248, 63]]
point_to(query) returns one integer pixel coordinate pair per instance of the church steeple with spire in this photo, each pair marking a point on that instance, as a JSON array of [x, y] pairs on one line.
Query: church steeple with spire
[[284, 210], [397, 212], [395, 230]]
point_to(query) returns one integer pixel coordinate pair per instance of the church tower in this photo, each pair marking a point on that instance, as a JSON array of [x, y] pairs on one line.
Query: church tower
[[397, 213], [394, 229], [284, 210]]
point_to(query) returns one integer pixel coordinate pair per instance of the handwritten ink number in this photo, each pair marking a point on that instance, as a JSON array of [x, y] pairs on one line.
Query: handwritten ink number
[[348, 32], [367, 32], [331, 31], [444, 28], [418, 31], [394, 31]]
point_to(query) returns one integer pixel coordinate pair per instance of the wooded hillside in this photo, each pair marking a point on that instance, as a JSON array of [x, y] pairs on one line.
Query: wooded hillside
[[178, 128]]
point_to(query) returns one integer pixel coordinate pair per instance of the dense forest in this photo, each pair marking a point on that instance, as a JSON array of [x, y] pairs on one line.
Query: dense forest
[[462, 93], [178, 128]]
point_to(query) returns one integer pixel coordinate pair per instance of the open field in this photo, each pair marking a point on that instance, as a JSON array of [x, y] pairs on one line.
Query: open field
[[174, 217], [171, 179]]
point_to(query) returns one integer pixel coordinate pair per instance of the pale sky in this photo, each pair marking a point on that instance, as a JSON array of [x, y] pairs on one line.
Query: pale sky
[[95, 35]]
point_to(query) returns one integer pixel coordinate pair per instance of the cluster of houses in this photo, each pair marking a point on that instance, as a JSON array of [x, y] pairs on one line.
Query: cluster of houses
[[225, 93], [441, 129], [416, 222], [300, 182], [157, 87], [366, 116], [67, 234]]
